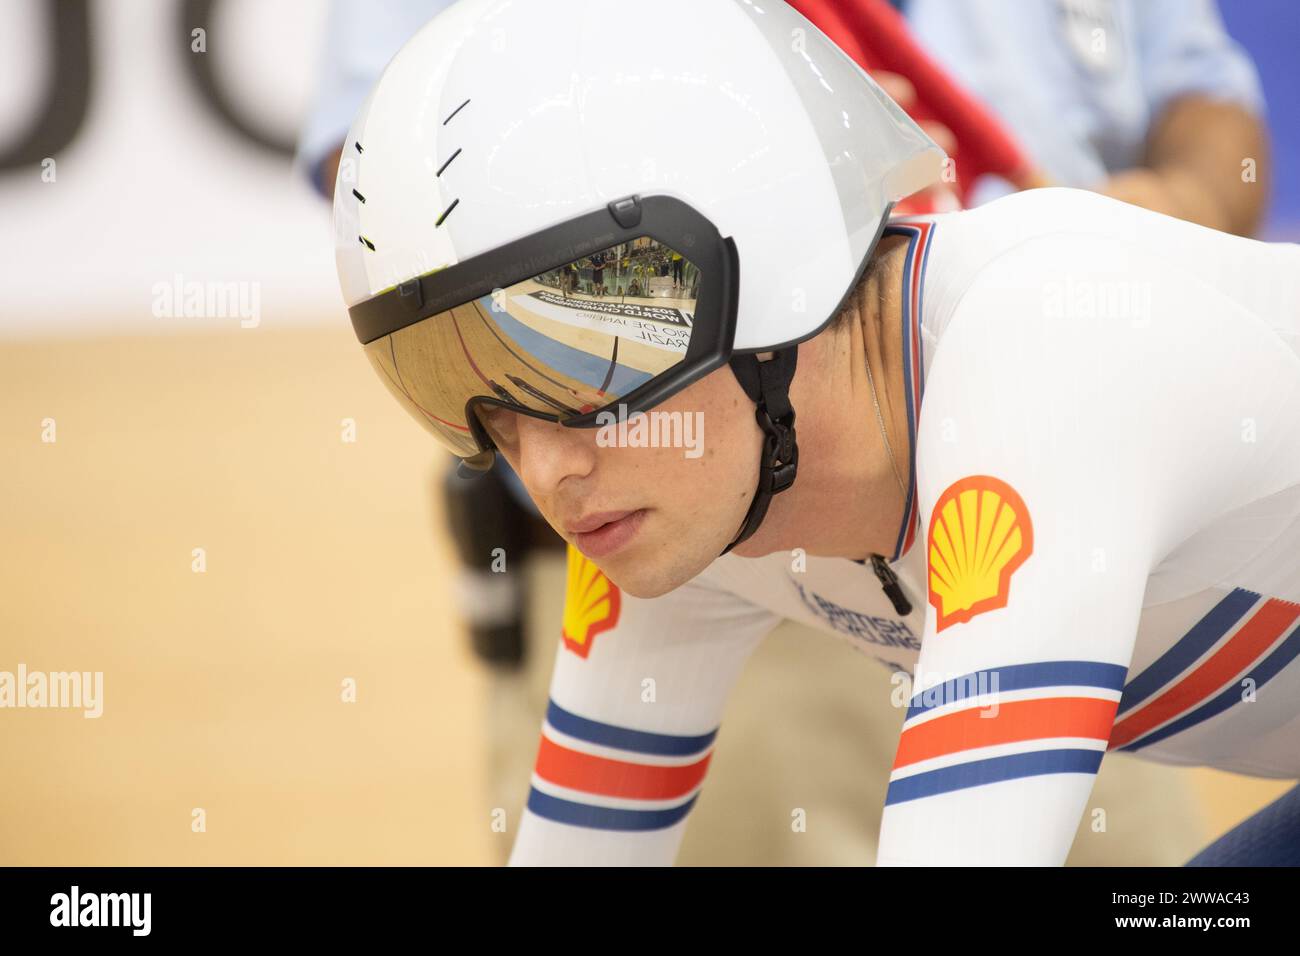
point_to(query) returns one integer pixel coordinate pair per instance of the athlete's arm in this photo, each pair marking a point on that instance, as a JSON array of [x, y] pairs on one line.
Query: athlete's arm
[[636, 700], [1064, 449]]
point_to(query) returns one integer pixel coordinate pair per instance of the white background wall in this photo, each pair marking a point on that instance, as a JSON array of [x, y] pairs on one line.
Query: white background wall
[[154, 184]]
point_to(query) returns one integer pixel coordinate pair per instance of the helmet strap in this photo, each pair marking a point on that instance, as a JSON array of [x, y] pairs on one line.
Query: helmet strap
[[767, 383]]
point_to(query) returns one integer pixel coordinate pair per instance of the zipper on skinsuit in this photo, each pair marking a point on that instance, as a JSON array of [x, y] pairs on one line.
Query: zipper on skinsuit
[[891, 586]]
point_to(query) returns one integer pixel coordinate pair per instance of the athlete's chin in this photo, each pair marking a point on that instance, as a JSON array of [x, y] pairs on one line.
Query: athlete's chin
[[639, 583], [655, 565]]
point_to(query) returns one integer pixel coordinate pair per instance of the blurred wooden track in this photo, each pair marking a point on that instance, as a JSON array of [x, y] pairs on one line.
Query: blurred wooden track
[[222, 689]]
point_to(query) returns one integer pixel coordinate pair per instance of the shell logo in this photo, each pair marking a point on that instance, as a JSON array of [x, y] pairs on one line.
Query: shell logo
[[980, 533], [591, 603]]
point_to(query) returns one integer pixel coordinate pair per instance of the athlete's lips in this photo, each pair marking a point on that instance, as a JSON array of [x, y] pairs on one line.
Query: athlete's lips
[[601, 534], [593, 521]]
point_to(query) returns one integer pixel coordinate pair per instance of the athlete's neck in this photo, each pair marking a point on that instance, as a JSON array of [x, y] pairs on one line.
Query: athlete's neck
[[846, 500]]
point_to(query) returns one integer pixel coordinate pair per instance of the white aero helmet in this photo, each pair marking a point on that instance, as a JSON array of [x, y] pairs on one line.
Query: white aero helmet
[[565, 207]]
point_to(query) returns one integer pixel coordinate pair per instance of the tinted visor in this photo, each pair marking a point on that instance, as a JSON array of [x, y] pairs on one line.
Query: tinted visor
[[559, 345]]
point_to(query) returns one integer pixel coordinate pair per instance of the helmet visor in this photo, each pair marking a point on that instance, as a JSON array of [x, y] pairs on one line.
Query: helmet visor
[[560, 345]]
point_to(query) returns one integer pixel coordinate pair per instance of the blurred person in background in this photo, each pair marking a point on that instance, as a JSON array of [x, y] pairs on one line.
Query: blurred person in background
[[1149, 102]]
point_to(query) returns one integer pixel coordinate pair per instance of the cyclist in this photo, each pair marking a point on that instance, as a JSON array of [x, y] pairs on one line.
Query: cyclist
[[1048, 451]]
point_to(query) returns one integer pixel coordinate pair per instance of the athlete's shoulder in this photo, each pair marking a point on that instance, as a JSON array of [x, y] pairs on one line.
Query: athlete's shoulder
[[1050, 211], [981, 234], [1026, 204], [1021, 236], [1051, 198], [1064, 207], [1062, 211]]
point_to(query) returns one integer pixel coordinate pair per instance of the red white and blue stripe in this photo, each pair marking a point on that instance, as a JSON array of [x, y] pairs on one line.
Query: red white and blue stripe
[[1244, 636], [602, 776], [919, 234], [1006, 723]]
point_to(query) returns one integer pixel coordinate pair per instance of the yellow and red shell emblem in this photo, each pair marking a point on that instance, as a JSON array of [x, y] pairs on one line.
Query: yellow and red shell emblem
[[980, 533], [591, 603]]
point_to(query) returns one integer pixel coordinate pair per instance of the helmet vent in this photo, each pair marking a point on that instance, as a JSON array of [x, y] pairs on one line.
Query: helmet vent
[[447, 163], [455, 111], [455, 202], [358, 146], [367, 243], [359, 196], [446, 212]]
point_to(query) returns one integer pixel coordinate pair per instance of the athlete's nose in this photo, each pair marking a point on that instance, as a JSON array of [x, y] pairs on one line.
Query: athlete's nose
[[549, 453]]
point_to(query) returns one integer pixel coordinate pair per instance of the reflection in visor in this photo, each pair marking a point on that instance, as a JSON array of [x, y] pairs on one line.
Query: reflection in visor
[[569, 341]]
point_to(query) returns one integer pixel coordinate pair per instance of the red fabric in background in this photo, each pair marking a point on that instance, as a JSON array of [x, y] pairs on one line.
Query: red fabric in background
[[877, 37]]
